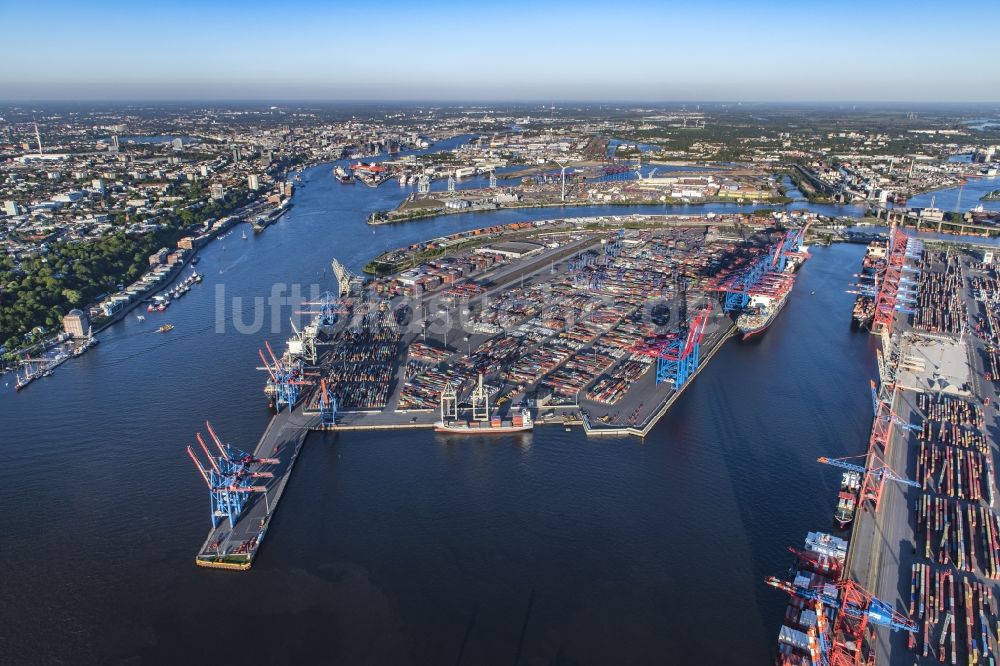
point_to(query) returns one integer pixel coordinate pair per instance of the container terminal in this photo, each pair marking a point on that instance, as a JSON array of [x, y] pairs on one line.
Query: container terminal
[[914, 576], [562, 323]]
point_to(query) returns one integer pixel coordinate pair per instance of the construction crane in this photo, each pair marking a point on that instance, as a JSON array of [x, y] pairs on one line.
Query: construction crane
[[873, 477]]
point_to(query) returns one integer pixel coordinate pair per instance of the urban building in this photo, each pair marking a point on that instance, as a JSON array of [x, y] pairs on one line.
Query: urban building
[[76, 323]]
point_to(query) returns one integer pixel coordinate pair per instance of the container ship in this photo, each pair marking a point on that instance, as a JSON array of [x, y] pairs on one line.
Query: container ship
[[864, 305], [519, 423], [341, 174], [847, 500], [762, 311], [479, 424], [818, 566]]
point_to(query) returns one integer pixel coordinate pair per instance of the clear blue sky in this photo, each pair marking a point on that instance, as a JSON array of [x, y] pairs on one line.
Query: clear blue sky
[[879, 50]]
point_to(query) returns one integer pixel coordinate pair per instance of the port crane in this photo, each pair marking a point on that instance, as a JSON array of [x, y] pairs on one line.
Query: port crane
[[890, 278], [876, 404], [284, 379], [678, 355], [229, 477], [855, 608], [738, 285], [874, 477], [330, 307], [327, 404]]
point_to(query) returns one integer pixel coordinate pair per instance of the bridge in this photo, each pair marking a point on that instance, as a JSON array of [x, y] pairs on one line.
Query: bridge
[[907, 217]]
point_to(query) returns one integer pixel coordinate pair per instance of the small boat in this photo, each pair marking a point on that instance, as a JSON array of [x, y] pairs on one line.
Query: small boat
[[165, 328], [141, 317], [150, 308], [244, 236]]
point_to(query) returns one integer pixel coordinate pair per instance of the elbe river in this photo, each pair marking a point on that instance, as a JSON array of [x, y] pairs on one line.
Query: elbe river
[[409, 548]]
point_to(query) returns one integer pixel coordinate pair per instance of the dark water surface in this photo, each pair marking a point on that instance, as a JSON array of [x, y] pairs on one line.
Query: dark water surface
[[548, 548]]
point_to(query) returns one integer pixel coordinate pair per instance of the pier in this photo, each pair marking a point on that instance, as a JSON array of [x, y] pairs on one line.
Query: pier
[[601, 328], [235, 546]]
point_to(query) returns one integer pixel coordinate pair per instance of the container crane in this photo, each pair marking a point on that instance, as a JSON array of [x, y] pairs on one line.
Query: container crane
[[284, 380], [228, 477], [677, 355], [891, 415], [854, 609], [874, 477], [327, 404]]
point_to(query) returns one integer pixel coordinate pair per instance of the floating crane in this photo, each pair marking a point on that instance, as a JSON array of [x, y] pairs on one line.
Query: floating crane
[[229, 477]]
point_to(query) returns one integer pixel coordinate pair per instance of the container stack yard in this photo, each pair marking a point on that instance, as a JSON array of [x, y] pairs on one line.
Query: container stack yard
[[926, 536], [567, 322]]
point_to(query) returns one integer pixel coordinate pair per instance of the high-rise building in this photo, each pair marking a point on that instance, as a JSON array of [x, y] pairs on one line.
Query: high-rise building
[[177, 144], [253, 182], [218, 191], [11, 208], [204, 171]]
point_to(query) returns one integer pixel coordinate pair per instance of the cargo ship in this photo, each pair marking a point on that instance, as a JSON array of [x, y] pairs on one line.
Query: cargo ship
[[341, 174], [519, 423], [818, 566], [863, 312], [479, 424], [761, 311], [847, 500]]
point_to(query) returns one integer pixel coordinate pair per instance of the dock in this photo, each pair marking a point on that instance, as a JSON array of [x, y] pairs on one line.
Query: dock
[[234, 547], [600, 328]]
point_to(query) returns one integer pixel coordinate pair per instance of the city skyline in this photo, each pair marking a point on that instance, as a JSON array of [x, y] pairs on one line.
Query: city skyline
[[447, 51]]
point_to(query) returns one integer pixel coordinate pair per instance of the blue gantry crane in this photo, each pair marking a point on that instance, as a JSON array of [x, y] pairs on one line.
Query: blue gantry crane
[[230, 477]]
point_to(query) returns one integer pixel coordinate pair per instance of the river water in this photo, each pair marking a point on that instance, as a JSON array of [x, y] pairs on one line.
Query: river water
[[404, 548]]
